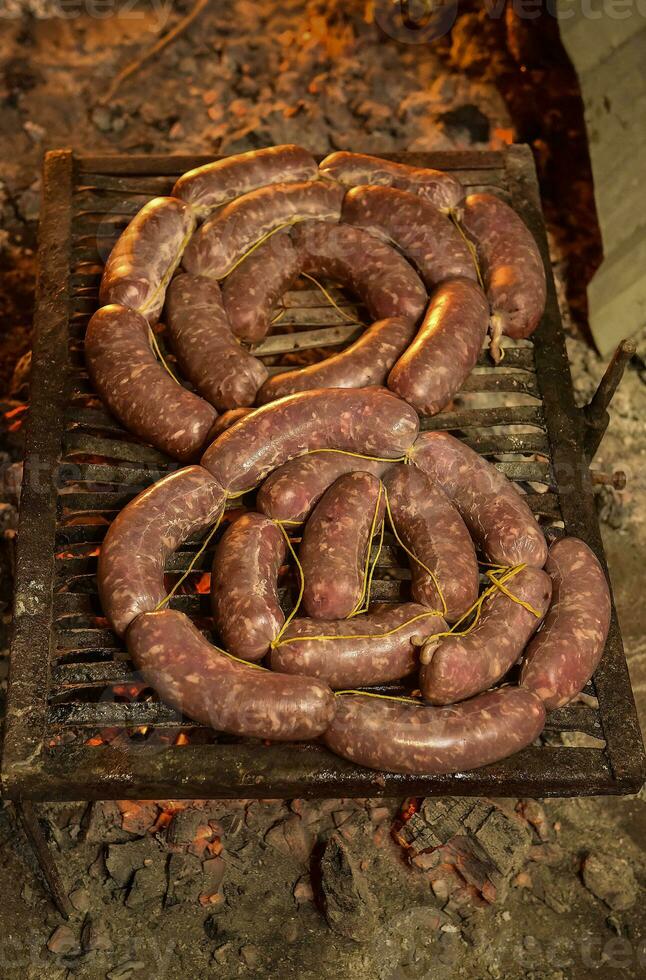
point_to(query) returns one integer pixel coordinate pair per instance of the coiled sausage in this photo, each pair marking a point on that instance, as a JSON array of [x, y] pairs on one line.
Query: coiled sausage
[[443, 190]]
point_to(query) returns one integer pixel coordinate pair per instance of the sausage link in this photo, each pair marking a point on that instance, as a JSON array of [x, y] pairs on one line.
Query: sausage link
[[563, 656], [462, 666], [446, 348], [499, 520], [227, 419], [208, 354], [370, 421], [351, 169], [224, 239], [396, 737], [145, 533], [138, 391], [365, 362], [336, 543], [428, 239], [345, 658], [145, 256], [206, 685], [430, 527], [213, 184], [244, 585]]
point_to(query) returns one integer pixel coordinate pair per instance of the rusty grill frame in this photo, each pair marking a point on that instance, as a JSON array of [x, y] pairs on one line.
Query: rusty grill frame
[[38, 761]]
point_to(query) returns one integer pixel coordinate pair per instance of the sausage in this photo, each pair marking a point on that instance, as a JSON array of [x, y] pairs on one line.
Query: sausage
[[251, 292], [244, 585], [226, 238], [136, 388], [336, 545], [357, 652], [374, 270], [511, 266], [563, 656], [146, 255], [290, 493], [227, 419], [462, 666], [207, 187], [145, 533], [369, 421], [443, 190], [499, 520], [209, 355], [206, 685], [430, 527], [396, 737], [446, 348], [365, 362], [428, 239]]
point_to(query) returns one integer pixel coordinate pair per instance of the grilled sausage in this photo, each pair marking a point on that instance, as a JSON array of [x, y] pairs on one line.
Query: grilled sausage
[[511, 266], [291, 491], [396, 737], [371, 649], [190, 674], [146, 255], [336, 543], [365, 362], [431, 528], [462, 666], [145, 533], [563, 656], [369, 421], [137, 389], [227, 419], [498, 518], [251, 292], [351, 169], [209, 355], [225, 239], [213, 184], [372, 269], [446, 348], [428, 239], [244, 585]]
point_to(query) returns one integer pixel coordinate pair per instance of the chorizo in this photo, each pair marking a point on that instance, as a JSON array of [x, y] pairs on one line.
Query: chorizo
[[421, 740], [206, 685], [138, 391], [146, 255], [499, 520], [351, 169], [445, 349], [563, 656], [207, 352], [461, 666]]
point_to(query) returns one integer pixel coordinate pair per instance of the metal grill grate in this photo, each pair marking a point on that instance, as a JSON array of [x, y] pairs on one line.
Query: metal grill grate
[[80, 724]]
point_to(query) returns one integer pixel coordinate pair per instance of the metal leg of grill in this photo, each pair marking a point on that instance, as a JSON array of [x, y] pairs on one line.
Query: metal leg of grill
[[595, 414], [46, 862]]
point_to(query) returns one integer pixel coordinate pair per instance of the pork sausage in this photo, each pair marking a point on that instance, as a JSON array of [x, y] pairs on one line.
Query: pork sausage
[[206, 685], [351, 169], [372, 649], [227, 419], [226, 238], [498, 518], [396, 737], [336, 543], [145, 533], [446, 348], [138, 390], [369, 421], [431, 528], [244, 585], [209, 355], [146, 255], [213, 184], [365, 362], [428, 239], [563, 656], [462, 666]]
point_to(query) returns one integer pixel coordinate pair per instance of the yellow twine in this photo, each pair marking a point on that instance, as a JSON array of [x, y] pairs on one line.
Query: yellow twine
[[367, 572], [301, 588], [165, 279], [384, 697], [157, 351], [470, 246], [250, 251], [330, 299], [358, 636], [191, 566], [421, 564]]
